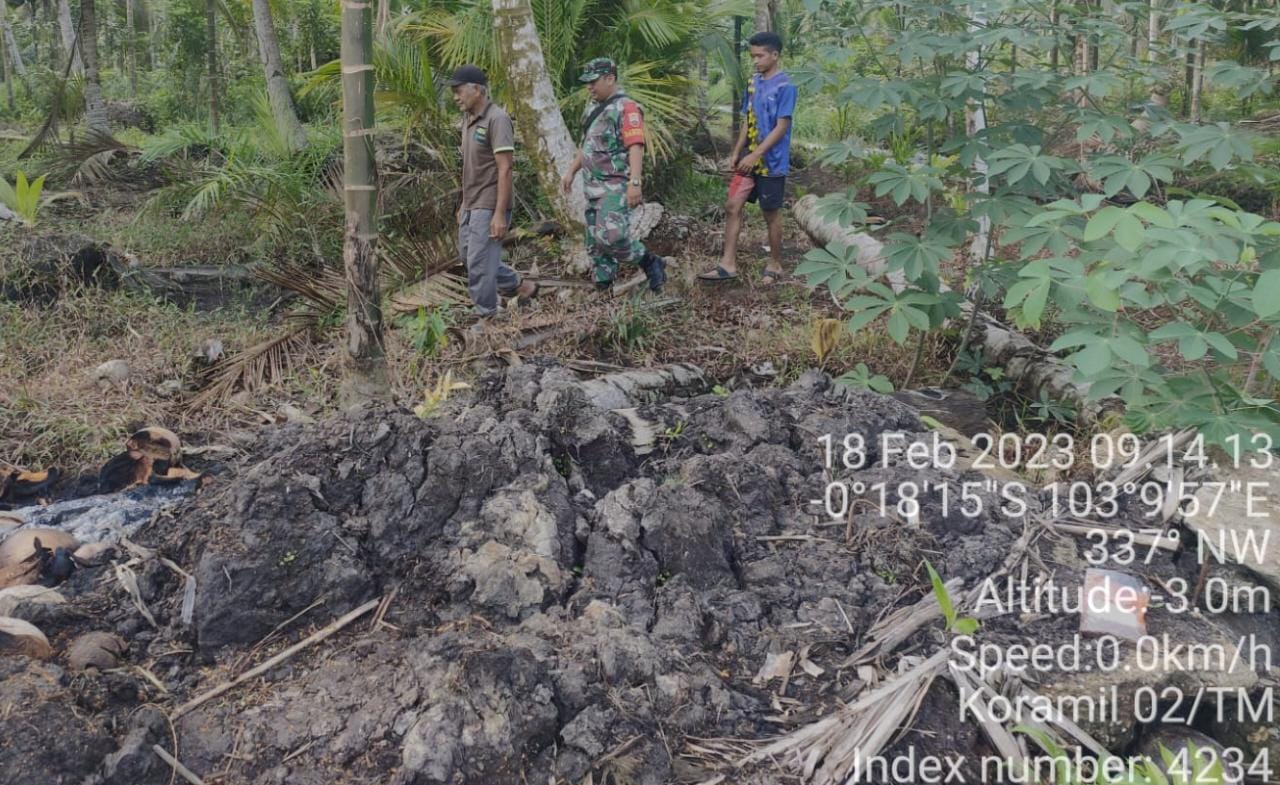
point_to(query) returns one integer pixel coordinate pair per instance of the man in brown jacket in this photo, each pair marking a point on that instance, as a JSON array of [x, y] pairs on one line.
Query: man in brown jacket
[[488, 150]]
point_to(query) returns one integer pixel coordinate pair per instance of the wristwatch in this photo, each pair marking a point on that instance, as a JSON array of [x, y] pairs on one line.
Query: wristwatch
[[634, 182]]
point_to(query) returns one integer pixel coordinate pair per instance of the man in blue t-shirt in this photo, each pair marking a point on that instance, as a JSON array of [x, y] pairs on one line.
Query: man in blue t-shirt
[[761, 174]]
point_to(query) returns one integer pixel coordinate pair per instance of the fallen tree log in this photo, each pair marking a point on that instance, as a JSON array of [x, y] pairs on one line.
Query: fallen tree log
[[1031, 369]]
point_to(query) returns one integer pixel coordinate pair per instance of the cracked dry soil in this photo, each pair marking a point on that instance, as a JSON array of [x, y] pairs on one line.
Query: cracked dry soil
[[564, 607]]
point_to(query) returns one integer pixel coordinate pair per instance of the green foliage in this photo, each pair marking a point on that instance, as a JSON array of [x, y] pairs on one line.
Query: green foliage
[[251, 168], [653, 42], [22, 197], [1110, 771], [1166, 298], [861, 378], [428, 330], [632, 328], [966, 625]]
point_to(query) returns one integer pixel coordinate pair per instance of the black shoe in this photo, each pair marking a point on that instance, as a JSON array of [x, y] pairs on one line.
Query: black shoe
[[655, 269], [604, 286]]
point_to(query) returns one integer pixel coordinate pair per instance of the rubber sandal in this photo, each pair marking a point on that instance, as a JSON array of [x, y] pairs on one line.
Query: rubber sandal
[[771, 277], [718, 274]]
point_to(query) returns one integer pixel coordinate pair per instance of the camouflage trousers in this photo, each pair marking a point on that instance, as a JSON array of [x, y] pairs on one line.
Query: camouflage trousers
[[609, 234]]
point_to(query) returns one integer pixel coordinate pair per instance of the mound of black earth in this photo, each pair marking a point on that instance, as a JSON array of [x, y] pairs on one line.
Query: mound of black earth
[[575, 593]]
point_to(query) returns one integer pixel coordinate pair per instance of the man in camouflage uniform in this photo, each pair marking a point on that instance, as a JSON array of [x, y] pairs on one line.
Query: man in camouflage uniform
[[612, 156]]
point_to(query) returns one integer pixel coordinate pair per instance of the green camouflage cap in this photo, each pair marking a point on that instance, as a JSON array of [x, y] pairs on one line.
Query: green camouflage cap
[[598, 68]]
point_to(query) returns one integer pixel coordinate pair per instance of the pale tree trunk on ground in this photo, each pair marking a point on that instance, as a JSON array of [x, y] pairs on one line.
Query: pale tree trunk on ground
[[131, 42], [366, 377], [211, 43], [1030, 368], [537, 115], [277, 85], [95, 111], [68, 31]]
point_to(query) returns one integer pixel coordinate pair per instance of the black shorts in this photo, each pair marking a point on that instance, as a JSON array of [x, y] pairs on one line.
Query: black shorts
[[768, 191]]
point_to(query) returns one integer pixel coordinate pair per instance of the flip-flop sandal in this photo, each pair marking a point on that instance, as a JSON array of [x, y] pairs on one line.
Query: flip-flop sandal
[[718, 274], [771, 277]]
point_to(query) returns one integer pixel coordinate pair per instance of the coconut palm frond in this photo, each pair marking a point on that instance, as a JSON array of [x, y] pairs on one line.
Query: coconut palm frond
[[65, 101], [464, 35], [665, 97], [194, 140], [87, 161], [560, 25], [406, 81], [271, 139], [266, 363], [660, 24], [723, 10], [324, 78], [207, 194]]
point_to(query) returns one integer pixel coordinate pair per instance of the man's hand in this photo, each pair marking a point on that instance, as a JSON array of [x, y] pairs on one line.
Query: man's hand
[[733, 158], [497, 226], [747, 163], [634, 196], [566, 182]]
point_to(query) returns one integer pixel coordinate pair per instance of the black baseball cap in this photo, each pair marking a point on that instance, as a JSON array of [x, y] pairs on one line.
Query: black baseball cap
[[468, 74]]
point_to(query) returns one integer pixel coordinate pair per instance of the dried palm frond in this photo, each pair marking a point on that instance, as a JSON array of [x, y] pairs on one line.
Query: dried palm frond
[[831, 750], [323, 288], [48, 130], [888, 633], [413, 258], [441, 289], [265, 363], [87, 161]]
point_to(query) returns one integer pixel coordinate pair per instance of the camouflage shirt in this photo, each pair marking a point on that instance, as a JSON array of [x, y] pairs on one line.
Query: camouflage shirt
[[605, 143]]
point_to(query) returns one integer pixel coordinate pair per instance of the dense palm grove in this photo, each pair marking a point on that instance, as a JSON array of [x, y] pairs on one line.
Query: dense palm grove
[[1102, 174]]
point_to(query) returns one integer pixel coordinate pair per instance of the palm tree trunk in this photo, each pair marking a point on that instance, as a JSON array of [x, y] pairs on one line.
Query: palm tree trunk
[[153, 24], [95, 111], [1053, 24], [366, 378], [4, 55], [13, 50], [764, 16], [131, 42], [1197, 81], [68, 31], [735, 121], [211, 34], [537, 114], [277, 86], [1153, 29]]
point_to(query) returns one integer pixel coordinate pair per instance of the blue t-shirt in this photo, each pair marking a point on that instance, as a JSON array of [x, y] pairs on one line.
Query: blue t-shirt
[[766, 101]]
